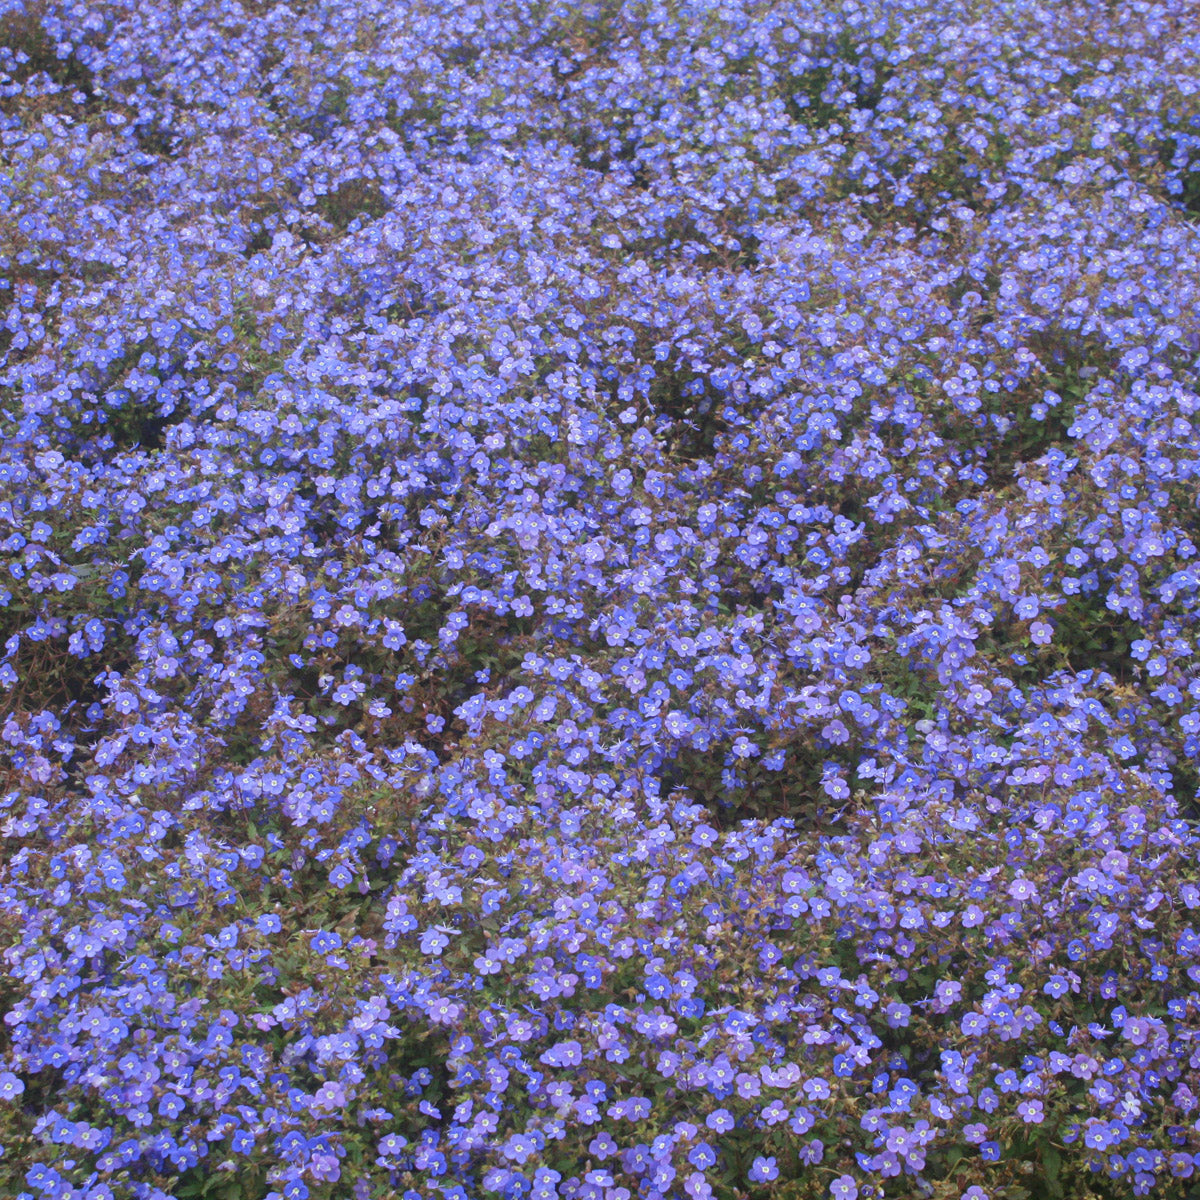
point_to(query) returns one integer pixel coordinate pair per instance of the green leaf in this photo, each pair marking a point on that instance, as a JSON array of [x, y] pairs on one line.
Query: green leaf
[[1051, 1166], [1051, 1160]]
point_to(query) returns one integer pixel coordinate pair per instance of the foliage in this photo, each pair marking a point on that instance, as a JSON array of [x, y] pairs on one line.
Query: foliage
[[599, 601]]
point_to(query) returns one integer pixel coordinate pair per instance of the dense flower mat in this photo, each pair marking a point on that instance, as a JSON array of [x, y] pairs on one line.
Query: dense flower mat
[[599, 600]]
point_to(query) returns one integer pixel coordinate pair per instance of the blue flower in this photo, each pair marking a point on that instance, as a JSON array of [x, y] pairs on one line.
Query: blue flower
[[433, 941], [763, 1169]]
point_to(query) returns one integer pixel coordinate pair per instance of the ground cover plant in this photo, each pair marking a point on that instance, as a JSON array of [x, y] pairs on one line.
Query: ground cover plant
[[599, 600]]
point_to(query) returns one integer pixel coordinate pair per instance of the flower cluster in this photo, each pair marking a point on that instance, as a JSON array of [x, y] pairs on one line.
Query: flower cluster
[[600, 601]]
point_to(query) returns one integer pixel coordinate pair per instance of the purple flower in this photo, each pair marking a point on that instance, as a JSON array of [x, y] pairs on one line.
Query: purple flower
[[763, 1169], [1022, 889], [433, 941], [720, 1120], [974, 1024], [602, 1146]]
